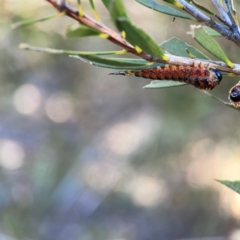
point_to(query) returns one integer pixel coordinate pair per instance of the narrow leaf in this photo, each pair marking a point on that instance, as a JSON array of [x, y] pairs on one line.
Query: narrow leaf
[[81, 31], [139, 38], [175, 3], [164, 9], [163, 84], [116, 63], [234, 185], [178, 47], [199, 6], [136, 36], [32, 21], [63, 51], [211, 32], [115, 8], [94, 10], [80, 10], [207, 42]]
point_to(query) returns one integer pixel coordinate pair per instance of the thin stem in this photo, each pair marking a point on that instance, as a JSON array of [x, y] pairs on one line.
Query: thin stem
[[230, 14], [173, 60], [92, 23], [218, 99], [201, 17], [222, 21], [226, 20]]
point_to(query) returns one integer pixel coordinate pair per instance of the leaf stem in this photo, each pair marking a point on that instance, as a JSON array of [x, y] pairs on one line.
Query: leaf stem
[[219, 100]]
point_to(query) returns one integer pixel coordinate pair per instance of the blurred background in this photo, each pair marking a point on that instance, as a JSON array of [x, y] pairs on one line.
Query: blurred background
[[85, 155]]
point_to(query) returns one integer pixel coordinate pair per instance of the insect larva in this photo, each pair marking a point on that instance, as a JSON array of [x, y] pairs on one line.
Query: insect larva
[[234, 95], [199, 77]]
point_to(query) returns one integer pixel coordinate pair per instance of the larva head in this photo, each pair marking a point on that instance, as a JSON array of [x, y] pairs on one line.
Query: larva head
[[218, 75], [234, 95]]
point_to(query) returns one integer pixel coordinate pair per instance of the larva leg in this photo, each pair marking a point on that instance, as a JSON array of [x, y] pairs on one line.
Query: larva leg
[[210, 66], [197, 64]]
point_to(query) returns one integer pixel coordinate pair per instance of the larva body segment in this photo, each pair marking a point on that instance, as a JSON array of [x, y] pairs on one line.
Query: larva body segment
[[197, 76]]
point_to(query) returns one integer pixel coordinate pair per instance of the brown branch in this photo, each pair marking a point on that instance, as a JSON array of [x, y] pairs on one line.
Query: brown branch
[[118, 40], [92, 23], [173, 60]]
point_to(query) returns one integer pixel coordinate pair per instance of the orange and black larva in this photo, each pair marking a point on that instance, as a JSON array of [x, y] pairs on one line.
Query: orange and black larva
[[199, 77]]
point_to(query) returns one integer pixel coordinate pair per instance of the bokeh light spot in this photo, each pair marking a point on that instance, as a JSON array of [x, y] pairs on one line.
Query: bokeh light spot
[[27, 99], [147, 191], [59, 107], [11, 155], [124, 138], [235, 235]]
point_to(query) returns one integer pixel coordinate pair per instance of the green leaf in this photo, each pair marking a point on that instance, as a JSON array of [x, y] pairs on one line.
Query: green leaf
[[136, 36], [178, 47], [116, 63], [92, 4], [94, 10], [64, 51], [211, 32], [81, 31], [32, 21], [164, 9], [234, 185], [199, 6], [175, 3], [170, 1], [207, 42], [164, 84], [115, 8]]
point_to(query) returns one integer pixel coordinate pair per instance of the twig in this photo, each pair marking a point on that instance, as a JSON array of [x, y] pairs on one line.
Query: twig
[[92, 23], [118, 40], [226, 20], [231, 105], [201, 17], [173, 60], [230, 14]]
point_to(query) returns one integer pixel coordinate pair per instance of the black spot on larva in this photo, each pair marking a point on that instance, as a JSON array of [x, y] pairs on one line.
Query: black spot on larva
[[235, 94]]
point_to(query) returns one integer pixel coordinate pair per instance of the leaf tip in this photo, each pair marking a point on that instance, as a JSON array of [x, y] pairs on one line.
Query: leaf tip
[[165, 58], [124, 51], [103, 35], [123, 34], [138, 49], [230, 64], [179, 5]]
